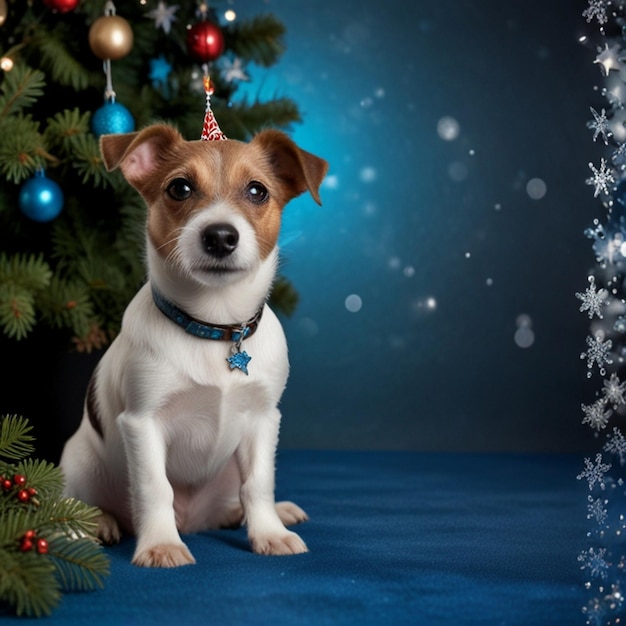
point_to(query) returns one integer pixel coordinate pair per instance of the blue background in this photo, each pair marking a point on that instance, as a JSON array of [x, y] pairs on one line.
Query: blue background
[[440, 239]]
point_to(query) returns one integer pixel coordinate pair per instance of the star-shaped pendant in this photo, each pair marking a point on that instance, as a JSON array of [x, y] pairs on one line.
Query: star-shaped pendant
[[239, 360]]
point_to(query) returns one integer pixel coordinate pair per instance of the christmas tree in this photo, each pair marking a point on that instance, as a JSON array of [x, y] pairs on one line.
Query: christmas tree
[[71, 234]]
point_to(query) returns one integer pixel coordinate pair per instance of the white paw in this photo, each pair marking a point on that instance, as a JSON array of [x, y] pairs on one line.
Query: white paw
[[290, 513], [165, 555], [278, 544]]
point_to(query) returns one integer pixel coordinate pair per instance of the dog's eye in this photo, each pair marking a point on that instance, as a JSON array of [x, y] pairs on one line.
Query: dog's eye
[[257, 192], [179, 189]]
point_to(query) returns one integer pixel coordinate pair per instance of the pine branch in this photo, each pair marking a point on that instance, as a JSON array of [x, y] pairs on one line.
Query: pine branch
[[47, 542], [63, 66], [67, 304], [43, 475], [69, 516], [64, 127], [21, 278], [88, 162], [258, 40], [15, 438], [17, 311], [28, 583], [22, 149], [27, 270], [80, 563], [20, 88]]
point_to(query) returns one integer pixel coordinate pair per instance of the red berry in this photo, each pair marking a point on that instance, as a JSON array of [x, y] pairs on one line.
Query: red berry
[[19, 480], [42, 546], [23, 495], [32, 491], [7, 484], [26, 545], [29, 534]]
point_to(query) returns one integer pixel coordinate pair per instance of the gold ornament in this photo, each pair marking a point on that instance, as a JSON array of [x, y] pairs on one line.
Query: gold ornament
[[3, 11], [110, 37]]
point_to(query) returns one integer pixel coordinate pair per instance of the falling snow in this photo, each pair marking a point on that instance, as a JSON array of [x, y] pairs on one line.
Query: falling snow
[[593, 560], [592, 300], [595, 414], [616, 444], [600, 126], [613, 390], [596, 510], [598, 353], [601, 178], [597, 10], [595, 472]]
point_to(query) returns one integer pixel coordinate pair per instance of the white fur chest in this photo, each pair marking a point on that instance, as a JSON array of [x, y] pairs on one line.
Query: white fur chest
[[202, 407]]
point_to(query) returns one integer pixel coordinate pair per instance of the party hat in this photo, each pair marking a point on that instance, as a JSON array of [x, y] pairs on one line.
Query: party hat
[[211, 130]]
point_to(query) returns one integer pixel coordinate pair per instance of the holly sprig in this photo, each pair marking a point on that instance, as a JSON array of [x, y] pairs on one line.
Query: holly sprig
[[47, 542]]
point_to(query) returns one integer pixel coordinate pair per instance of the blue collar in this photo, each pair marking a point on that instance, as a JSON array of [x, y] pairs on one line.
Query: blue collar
[[227, 332]]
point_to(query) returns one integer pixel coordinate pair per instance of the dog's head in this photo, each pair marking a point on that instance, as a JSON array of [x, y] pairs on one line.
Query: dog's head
[[214, 207]]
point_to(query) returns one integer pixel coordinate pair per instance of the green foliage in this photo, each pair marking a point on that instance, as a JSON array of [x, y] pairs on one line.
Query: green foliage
[[15, 440], [33, 578], [258, 40]]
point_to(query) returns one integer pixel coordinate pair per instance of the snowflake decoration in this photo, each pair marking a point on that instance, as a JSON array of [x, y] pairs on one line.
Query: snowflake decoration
[[597, 9], [592, 300], [595, 562], [619, 156], [608, 58], [233, 70], [614, 390], [601, 178], [163, 16], [595, 473], [616, 444], [598, 353], [596, 510], [600, 126], [595, 414]]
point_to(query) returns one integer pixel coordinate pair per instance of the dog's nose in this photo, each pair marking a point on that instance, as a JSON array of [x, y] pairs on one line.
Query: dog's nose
[[220, 240]]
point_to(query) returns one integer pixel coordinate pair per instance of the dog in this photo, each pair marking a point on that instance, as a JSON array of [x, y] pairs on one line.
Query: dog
[[180, 423]]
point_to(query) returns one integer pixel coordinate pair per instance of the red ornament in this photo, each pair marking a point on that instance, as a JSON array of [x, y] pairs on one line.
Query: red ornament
[[19, 480], [205, 41], [23, 495], [26, 545], [29, 534], [62, 6], [42, 546]]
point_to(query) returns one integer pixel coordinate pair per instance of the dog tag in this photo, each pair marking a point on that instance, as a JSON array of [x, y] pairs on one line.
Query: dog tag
[[239, 360]]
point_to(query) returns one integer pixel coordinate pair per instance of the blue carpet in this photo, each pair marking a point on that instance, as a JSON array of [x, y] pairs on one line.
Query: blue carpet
[[394, 538]]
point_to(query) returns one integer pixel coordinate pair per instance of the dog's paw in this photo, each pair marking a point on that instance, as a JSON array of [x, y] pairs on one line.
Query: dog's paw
[[108, 530], [279, 544], [290, 513], [165, 555]]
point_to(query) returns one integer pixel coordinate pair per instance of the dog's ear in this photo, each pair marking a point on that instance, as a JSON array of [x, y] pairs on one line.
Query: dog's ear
[[138, 154], [298, 169]]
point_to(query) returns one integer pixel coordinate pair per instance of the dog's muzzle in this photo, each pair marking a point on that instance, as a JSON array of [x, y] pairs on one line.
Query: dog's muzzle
[[220, 240]]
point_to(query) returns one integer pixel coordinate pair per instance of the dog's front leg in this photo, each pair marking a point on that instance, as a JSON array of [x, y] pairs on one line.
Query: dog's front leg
[[152, 496], [255, 457]]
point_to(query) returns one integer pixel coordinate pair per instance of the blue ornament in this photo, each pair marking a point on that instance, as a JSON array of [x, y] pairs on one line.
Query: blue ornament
[[40, 199], [160, 70], [112, 118]]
